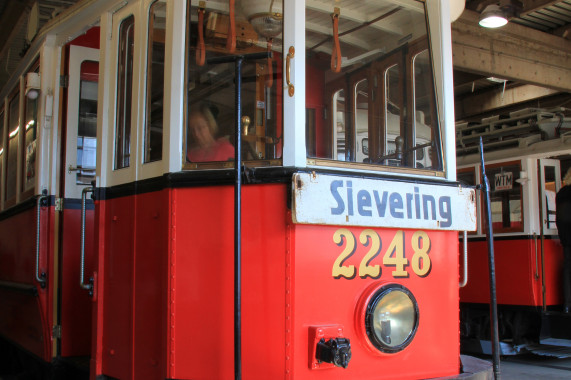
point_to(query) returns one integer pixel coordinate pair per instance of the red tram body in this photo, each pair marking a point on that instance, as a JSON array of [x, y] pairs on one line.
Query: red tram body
[[326, 247]]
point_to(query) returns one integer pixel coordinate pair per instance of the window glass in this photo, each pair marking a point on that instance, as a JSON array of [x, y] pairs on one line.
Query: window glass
[[13, 138], [155, 81], [550, 192], [374, 57], [340, 117], [210, 122], [361, 108], [467, 177], [30, 134], [424, 133], [393, 146], [124, 93], [87, 123], [505, 197]]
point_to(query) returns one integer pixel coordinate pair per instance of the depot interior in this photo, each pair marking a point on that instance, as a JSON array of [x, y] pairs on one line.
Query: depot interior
[[521, 65]]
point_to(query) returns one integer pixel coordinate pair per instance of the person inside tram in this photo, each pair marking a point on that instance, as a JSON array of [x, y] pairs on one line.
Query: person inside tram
[[563, 222], [203, 145]]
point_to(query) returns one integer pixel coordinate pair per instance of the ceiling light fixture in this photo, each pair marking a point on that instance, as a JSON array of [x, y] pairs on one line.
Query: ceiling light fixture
[[493, 17]]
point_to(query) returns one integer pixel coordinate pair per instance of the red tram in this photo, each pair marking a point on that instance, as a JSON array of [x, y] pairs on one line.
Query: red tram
[[254, 189], [528, 153]]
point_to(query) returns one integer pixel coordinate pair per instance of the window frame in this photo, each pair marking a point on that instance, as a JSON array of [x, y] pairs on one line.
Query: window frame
[[501, 230]]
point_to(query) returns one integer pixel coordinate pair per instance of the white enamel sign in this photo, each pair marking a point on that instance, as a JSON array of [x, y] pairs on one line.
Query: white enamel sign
[[349, 201]]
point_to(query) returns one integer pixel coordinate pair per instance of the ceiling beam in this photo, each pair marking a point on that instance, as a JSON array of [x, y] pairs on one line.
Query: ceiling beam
[[512, 52], [498, 98]]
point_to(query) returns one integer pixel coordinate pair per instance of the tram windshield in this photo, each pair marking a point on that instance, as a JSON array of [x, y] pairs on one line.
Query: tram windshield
[[370, 96]]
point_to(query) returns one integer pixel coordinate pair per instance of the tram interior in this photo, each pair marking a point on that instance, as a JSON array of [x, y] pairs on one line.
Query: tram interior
[[372, 103]]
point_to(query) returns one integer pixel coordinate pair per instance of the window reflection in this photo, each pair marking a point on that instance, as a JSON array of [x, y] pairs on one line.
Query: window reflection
[[257, 28], [382, 104], [87, 123], [30, 145]]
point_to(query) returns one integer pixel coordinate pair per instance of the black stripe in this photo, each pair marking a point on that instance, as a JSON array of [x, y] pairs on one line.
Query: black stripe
[[513, 237], [23, 206], [220, 177]]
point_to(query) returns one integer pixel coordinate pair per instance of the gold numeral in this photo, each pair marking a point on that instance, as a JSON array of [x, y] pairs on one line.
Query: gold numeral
[[395, 256], [339, 270], [421, 263], [373, 271]]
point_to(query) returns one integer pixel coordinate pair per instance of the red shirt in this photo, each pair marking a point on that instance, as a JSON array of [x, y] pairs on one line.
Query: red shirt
[[222, 150]]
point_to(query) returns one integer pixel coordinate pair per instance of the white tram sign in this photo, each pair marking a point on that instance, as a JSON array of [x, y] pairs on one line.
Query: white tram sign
[[334, 200]]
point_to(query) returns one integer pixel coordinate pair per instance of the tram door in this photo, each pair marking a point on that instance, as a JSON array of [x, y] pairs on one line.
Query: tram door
[[75, 306]]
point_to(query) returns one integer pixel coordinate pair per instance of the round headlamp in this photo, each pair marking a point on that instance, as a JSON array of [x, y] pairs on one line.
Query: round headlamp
[[391, 318]]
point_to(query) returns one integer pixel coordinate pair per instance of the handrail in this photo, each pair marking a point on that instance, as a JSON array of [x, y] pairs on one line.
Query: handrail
[[20, 288], [41, 278], [465, 256], [82, 284]]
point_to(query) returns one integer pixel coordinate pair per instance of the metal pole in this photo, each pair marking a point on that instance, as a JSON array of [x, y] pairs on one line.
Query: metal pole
[[238, 228], [238, 60], [491, 264]]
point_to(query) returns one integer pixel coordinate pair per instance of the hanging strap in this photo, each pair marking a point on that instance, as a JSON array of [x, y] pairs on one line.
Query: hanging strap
[[231, 41], [336, 53], [270, 72], [200, 48]]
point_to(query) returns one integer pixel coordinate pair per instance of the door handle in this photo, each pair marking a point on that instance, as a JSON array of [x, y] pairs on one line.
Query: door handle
[[290, 55]]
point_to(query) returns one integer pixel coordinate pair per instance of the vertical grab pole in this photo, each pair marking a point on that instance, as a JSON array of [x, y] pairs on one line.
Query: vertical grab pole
[[238, 60], [238, 227], [493, 302], [41, 278], [82, 283]]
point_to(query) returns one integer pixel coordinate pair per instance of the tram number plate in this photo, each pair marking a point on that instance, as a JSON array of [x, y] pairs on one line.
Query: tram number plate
[[394, 256]]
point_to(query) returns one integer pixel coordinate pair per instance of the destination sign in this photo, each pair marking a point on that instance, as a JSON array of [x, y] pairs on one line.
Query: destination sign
[[336, 200]]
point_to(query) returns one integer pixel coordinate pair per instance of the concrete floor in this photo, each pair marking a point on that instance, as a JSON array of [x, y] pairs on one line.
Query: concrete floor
[[534, 367]]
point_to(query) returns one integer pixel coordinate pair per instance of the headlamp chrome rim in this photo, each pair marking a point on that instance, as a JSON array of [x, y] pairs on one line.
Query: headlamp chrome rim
[[369, 317]]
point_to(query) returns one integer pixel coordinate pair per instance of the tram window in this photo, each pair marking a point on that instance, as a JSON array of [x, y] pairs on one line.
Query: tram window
[[505, 197], [211, 87], [12, 155], [29, 154], [87, 123], [423, 133], [340, 119], [124, 93], [310, 131], [550, 192], [361, 108], [155, 81], [393, 125], [384, 83], [467, 177]]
